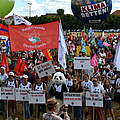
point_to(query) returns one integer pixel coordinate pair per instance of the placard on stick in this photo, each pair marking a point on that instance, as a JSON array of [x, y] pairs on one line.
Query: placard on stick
[[82, 63], [36, 97], [73, 99], [94, 99], [21, 95], [45, 69], [7, 93]]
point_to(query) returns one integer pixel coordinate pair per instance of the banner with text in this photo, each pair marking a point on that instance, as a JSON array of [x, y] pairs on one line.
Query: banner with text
[[34, 37]]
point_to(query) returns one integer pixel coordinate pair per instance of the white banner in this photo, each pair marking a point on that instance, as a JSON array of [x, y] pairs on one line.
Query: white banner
[[45, 69], [36, 97], [94, 99], [7, 93], [21, 95], [73, 99], [82, 63]]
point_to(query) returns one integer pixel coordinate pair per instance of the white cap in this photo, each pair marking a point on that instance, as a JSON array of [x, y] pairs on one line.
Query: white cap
[[11, 73], [25, 76]]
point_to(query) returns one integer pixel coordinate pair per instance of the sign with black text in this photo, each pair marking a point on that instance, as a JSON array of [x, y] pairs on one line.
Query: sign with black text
[[73, 99], [36, 97], [7, 93], [45, 69], [82, 63], [21, 94], [94, 99]]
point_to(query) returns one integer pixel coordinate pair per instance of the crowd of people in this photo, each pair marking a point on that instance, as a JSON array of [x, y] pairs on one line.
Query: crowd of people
[[104, 79]]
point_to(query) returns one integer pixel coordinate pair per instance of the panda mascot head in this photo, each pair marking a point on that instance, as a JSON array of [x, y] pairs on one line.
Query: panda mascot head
[[59, 78]]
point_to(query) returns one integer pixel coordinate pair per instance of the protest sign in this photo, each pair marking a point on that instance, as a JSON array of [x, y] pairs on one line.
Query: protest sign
[[21, 95], [94, 99], [82, 63], [45, 69], [36, 97], [7, 93], [73, 99]]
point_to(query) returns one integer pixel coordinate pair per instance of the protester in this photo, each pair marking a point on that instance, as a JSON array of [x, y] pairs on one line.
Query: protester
[[26, 86], [42, 87], [52, 109], [97, 88], [108, 97], [11, 82]]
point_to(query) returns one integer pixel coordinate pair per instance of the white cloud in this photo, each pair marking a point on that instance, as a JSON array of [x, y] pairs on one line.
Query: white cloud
[[49, 6]]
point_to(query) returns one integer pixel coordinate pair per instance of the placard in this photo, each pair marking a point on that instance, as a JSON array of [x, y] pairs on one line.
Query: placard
[[36, 97], [94, 99], [7, 93], [45, 69], [21, 94], [73, 99], [82, 63]]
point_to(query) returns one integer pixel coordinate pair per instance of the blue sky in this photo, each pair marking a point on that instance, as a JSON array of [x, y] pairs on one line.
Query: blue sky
[[41, 7]]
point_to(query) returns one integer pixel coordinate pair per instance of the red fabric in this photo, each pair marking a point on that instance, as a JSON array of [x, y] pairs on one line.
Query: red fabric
[[23, 67], [17, 67], [47, 54], [34, 37], [4, 30], [4, 62]]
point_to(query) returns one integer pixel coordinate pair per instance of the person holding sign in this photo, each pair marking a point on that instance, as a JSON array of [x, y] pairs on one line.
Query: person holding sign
[[52, 109], [97, 88], [3, 78], [11, 82], [42, 87], [27, 86]]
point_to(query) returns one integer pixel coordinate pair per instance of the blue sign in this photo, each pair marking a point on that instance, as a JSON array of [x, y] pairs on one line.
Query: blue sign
[[91, 11]]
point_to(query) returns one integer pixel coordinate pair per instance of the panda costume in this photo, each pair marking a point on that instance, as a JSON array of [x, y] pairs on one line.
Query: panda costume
[[58, 86]]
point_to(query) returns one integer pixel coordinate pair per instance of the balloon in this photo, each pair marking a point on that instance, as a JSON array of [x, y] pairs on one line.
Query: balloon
[[5, 7], [91, 11]]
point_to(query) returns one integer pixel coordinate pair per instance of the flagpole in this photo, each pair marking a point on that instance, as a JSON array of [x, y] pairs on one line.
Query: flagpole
[[30, 4]]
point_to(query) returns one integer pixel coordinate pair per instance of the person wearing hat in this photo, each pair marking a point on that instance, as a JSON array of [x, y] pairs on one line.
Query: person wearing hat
[[27, 86], [52, 109], [11, 82]]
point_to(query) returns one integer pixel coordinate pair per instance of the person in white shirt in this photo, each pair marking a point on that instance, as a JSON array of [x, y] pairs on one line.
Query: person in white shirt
[[11, 82], [3, 76], [42, 88], [27, 86], [86, 83], [97, 88]]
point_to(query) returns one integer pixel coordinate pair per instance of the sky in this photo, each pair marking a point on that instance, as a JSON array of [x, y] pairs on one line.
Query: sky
[[41, 7]]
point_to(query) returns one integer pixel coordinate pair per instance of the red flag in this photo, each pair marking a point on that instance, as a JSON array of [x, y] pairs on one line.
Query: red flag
[[34, 37], [23, 66], [17, 67], [4, 62], [4, 30], [47, 54]]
